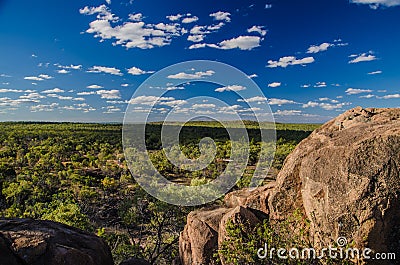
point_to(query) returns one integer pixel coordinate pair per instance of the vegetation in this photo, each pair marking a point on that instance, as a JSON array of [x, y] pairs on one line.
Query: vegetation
[[77, 174], [243, 243]]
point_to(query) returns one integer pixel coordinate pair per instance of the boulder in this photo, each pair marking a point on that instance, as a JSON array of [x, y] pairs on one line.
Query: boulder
[[34, 242], [345, 177], [199, 240]]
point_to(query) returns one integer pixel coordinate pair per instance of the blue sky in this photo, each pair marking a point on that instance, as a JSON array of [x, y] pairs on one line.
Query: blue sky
[[83, 61]]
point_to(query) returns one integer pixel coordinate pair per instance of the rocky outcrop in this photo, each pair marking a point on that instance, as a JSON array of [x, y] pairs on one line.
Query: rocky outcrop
[[199, 239], [345, 176], [35, 242], [205, 229], [345, 179]]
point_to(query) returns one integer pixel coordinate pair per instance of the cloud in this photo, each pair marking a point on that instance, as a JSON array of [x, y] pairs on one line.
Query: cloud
[[7, 90], [319, 48], [32, 96], [288, 112], [136, 17], [203, 106], [375, 72], [65, 97], [241, 42], [171, 88], [175, 17], [367, 96], [195, 38], [109, 94], [42, 107], [391, 96], [41, 77], [86, 93], [196, 75], [137, 71], [148, 100], [320, 84], [290, 60], [275, 84], [69, 67], [355, 91], [220, 15], [63, 71], [324, 105], [103, 13], [363, 57], [124, 85], [252, 76], [198, 46], [54, 90], [188, 20], [132, 34], [111, 109], [279, 102], [229, 109], [230, 88], [198, 33], [108, 2], [375, 4], [103, 69], [253, 99], [258, 29], [94, 86], [79, 107], [151, 100]]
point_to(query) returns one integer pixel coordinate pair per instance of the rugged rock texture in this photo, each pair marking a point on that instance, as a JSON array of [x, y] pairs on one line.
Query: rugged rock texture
[[199, 239], [344, 177], [205, 229], [34, 242]]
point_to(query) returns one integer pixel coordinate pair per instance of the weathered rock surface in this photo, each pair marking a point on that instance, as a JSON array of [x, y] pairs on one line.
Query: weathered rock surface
[[344, 177], [34, 242], [199, 239]]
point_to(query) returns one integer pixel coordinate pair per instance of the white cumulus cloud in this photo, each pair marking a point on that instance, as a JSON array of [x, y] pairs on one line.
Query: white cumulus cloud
[[259, 29], [275, 84], [94, 86], [319, 48], [355, 91], [103, 69], [230, 88], [195, 75], [220, 15], [290, 60], [375, 4], [54, 90], [137, 71], [109, 94], [363, 57]]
